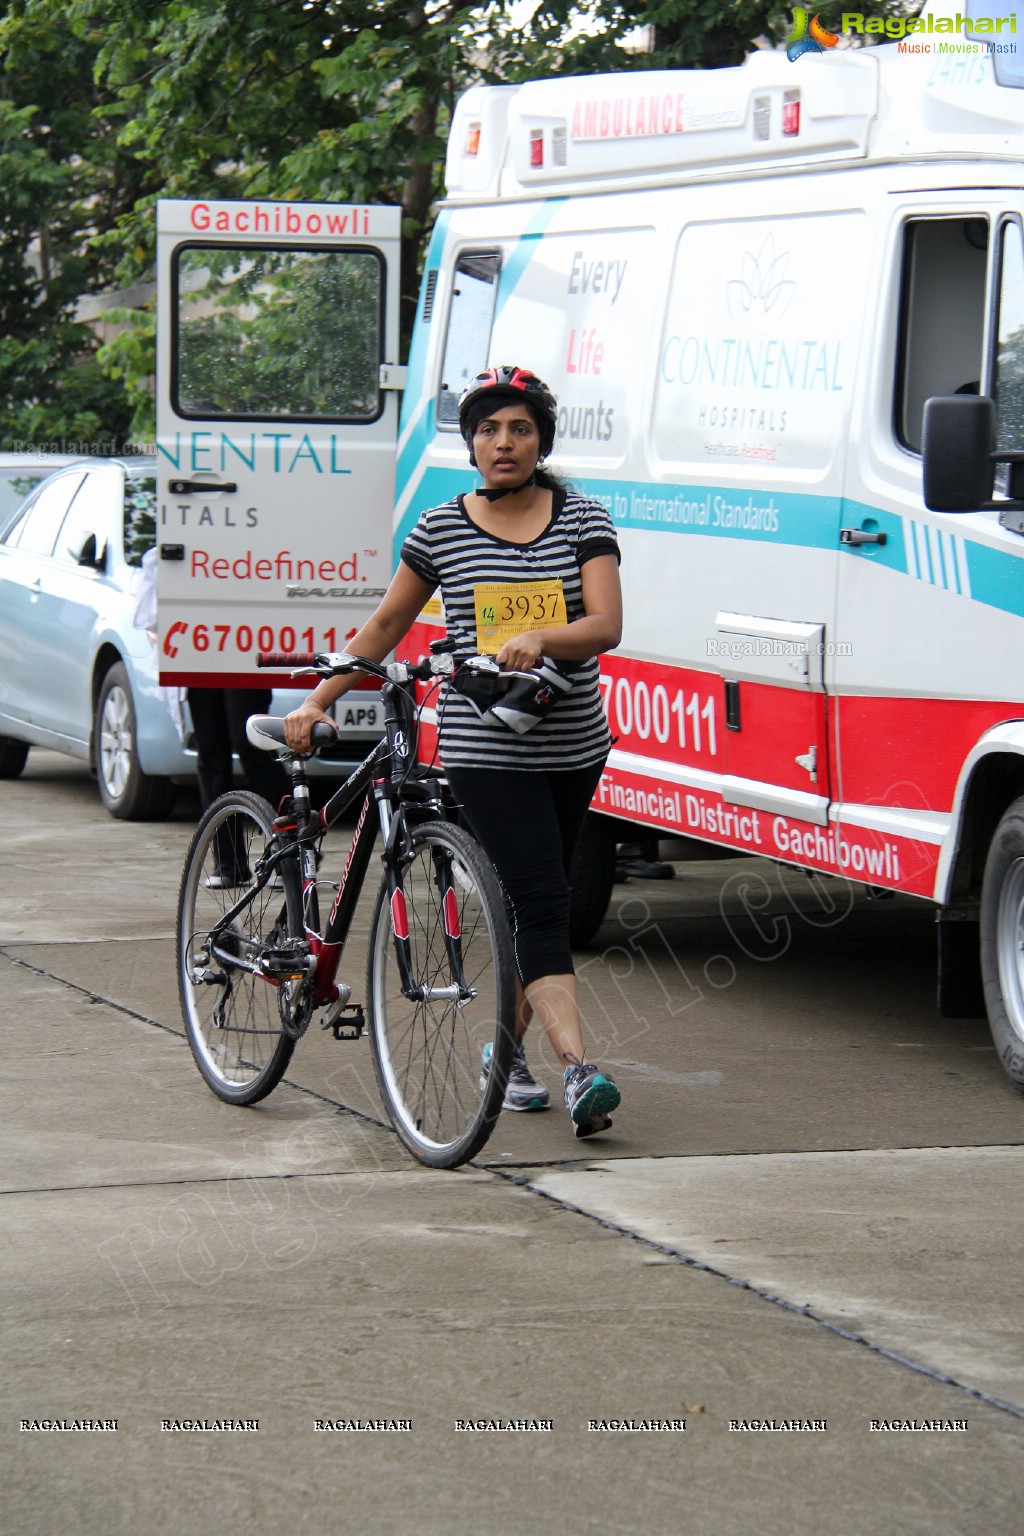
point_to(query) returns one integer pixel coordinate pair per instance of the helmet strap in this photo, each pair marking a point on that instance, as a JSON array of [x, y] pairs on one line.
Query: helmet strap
[[507, 490]]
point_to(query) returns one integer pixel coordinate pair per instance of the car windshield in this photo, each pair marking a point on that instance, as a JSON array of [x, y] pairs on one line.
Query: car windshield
[[139, 516]]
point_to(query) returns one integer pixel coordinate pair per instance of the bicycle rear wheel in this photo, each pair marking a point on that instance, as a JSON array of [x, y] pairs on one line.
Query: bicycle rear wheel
[[428, 1048], [241, 1025]]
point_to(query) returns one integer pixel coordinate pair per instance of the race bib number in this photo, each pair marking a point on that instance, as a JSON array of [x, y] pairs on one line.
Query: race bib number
[[505, 609]]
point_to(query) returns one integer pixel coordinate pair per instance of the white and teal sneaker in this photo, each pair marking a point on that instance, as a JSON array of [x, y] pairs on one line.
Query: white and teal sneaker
[[590, 1096], [522, 1091]]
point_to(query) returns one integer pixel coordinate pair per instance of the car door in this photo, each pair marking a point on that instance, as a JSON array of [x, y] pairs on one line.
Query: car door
[[26, 656], [76, 591]]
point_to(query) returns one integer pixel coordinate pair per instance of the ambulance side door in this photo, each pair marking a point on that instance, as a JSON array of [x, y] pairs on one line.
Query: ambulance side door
[[920, 654]]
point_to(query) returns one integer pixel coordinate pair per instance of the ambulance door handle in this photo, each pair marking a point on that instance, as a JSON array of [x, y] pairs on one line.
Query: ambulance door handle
[[198, 487], [860, 536]]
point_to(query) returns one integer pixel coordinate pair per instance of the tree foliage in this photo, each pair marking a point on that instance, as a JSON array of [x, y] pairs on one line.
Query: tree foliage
[[63, 180], [106, 105]]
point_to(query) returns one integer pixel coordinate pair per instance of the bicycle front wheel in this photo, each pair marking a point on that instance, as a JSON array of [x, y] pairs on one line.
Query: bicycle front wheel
[[447, 916], [239, 1019]]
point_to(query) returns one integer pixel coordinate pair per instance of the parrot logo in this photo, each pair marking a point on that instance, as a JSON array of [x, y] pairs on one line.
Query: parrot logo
[[808, 35]]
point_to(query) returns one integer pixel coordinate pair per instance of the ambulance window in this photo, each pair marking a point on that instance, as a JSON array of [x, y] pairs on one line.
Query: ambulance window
[[1008, 388], [293, 334], [942, 316], [467, 344]]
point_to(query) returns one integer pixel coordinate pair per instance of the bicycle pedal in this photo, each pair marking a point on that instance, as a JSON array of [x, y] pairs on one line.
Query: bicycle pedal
[[594, 1127], [287, 961], [356, 1022]]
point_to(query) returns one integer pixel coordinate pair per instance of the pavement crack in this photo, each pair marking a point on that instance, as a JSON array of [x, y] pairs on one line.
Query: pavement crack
[[92, 996], [195, 1180], [932, 1373]]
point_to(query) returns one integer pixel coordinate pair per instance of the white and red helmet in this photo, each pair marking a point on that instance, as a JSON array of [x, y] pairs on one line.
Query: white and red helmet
[[507, 385]]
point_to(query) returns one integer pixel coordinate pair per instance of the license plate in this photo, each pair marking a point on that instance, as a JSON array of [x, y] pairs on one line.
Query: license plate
[[359, 714]]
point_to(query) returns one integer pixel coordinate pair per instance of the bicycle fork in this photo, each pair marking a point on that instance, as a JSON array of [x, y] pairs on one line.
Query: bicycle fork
[[456, 990]]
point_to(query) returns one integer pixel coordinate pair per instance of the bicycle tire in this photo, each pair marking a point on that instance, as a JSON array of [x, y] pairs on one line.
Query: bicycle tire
[[427, 1053], [235, 1021]]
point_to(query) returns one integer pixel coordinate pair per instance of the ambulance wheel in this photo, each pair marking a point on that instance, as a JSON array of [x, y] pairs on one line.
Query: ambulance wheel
[[591, 879], [1002, 940]]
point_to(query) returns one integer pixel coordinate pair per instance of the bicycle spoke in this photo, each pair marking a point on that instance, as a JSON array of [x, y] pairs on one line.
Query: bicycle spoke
[[233, 1014], [428, 1049]]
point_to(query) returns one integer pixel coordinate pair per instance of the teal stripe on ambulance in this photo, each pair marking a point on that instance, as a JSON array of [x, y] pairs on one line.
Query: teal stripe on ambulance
[[950, 561], [513, 269], [920, 550], [436, 487], [423, 433]]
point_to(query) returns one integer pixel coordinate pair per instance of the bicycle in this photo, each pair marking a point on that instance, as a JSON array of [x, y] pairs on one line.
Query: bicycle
[[254, 966]]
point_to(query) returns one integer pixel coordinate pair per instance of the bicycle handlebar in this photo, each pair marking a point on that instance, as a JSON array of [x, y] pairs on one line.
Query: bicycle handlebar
[[337, 664]]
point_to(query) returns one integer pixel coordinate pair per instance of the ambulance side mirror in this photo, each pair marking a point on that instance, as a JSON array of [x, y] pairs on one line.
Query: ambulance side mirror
[[960, 458], [958, 441]]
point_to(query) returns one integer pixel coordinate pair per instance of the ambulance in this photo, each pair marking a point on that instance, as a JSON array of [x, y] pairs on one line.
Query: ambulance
[[782, 309]]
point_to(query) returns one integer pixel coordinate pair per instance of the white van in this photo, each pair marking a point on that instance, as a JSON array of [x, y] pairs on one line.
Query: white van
[[744, 285]]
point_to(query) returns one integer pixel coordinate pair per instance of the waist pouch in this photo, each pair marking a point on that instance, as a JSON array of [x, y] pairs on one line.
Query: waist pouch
[[528, 701]]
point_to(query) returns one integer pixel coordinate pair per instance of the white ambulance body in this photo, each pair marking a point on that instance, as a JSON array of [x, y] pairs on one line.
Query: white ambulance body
[[743, 285]]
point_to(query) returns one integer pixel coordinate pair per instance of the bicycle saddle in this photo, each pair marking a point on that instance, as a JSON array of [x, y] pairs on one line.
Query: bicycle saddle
[[267, 733]]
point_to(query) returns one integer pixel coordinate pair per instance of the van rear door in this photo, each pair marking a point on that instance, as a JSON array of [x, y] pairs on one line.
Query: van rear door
[[276, 429]]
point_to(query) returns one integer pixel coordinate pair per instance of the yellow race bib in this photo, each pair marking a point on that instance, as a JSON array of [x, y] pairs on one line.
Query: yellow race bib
[[505, 609]]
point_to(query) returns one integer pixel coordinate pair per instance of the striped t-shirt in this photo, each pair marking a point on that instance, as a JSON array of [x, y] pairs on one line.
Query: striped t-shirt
[[447, 549]]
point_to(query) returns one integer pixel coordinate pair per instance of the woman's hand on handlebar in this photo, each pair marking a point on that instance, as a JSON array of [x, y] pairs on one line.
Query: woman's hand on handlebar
[[300, 722]]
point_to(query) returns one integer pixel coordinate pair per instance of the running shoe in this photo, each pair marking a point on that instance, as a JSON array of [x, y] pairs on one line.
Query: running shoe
[[590, 1096], [522, 1091]]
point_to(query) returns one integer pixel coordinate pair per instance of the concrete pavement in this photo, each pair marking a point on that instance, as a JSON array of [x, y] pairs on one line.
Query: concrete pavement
[[809, 1211]]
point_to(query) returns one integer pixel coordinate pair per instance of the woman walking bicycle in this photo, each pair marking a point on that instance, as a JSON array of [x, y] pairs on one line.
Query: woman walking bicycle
[[528, 572]]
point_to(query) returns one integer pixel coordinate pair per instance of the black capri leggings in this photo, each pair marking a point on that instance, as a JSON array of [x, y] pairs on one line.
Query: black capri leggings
[[528, 822]]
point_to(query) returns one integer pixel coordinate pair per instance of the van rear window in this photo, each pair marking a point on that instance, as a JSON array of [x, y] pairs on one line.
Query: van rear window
[[285, 333]]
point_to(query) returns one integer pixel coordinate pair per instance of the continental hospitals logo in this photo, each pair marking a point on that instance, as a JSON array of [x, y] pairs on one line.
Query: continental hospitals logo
[[915, 34]]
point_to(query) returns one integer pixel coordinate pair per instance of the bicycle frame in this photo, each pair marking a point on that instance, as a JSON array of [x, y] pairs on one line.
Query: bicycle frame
[[381, 780]]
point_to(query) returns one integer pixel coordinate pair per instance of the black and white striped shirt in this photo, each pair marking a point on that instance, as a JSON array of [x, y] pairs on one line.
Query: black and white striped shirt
[[447, 549]]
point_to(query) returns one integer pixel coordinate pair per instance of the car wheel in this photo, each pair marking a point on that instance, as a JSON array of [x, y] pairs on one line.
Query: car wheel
[[13, 755], [127, 792]]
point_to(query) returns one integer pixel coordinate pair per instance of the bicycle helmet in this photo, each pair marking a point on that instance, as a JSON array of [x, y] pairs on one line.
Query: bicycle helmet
[[508, 385]]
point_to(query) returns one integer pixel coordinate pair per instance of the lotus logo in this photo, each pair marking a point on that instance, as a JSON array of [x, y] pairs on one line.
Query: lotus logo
[[762, 283], [808, 35]]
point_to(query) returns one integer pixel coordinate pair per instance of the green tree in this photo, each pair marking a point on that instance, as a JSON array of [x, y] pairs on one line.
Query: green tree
[[333, 100], [62, 180]]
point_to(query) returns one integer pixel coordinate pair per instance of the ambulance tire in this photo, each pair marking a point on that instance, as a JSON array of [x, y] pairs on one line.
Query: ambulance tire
[[591, 879], [1002, 940]]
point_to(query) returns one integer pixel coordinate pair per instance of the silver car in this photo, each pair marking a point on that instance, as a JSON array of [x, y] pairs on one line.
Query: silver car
[[76, 672]]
